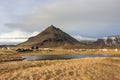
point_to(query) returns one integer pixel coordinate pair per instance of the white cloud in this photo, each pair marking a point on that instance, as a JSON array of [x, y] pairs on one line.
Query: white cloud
[[17, 34], [94, 18], [15, 37], [86, 17], [78, 37]]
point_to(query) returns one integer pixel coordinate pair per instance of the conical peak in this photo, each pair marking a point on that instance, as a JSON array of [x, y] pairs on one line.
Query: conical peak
[[52, 28], [51, 37]]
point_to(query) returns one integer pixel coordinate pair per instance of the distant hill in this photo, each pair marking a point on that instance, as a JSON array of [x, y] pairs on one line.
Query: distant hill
[[109, 41], [51, 37], [106, 42], [87, 42]]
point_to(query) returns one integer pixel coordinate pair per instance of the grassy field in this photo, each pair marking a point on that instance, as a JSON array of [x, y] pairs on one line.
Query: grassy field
[[74, 69]]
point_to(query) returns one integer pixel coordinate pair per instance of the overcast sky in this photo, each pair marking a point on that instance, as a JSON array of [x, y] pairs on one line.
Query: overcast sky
[[20, 19]]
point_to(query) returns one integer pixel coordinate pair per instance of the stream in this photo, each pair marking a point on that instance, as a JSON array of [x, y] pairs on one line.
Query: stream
[[62, 56], [59, 57]]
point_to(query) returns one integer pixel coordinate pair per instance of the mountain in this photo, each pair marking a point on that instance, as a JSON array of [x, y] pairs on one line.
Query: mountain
[[87, 42], [109, 41], [51, 37]]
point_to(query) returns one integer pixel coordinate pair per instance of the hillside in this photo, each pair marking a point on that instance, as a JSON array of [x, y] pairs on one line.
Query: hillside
[[109, 41], [51, 37]]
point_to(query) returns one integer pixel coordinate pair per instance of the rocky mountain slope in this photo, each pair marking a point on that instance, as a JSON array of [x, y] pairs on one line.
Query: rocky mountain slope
[[109, 41], [51, 37]]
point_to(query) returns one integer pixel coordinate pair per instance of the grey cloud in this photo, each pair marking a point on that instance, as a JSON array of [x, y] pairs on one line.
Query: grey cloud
[[86, 17]]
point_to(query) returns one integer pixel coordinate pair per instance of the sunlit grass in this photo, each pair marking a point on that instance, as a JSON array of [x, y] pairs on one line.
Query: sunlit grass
[[74, 69]]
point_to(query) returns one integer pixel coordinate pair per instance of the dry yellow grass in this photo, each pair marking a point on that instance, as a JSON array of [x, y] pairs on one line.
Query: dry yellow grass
[[74, 69]]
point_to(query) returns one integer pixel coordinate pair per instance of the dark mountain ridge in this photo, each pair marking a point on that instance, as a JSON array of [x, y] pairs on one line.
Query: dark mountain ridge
[[51, 37], [109, 41]]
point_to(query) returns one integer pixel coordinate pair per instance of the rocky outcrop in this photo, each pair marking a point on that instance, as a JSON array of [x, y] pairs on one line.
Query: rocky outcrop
[[109, 41]]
